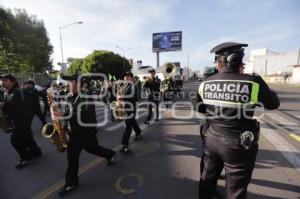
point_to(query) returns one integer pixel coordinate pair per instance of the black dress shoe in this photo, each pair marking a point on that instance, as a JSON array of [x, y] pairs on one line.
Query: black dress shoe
[[36, 155], [112, 160], [21, 164], [67, 189], [138, 137], [124, 149]]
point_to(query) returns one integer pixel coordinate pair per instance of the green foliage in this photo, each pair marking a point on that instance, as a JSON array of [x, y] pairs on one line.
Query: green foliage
[[24, 44], [75, 66], [101, 61]]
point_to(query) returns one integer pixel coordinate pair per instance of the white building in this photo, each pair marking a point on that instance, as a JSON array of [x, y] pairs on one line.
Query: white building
[[265, 62], [296, 74]]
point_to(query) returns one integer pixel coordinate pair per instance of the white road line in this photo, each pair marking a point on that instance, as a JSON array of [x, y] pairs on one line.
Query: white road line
[[280, 119], [286, 149]]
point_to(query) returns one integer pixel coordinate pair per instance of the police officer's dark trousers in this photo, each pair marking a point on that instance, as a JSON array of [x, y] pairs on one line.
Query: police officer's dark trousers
[[88, 141], [22, 139], [220, 151], [130, 123]]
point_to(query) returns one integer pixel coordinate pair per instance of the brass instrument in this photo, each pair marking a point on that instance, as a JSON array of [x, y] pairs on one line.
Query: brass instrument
[[5, 124], [164, 86], [55, 130], [169, 69], [117, 106]]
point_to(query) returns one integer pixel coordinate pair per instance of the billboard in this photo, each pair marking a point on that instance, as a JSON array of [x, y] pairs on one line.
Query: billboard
[[167, 41]]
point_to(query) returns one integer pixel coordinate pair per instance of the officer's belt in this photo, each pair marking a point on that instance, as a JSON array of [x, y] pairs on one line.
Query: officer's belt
[[224, 133], [233, 135]]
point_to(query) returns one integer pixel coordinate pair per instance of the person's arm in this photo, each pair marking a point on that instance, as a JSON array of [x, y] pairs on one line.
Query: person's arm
[[37, 107], [199, 105], [267, 96]]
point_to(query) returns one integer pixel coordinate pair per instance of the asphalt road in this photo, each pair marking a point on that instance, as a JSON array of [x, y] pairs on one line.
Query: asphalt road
[[164, 164]]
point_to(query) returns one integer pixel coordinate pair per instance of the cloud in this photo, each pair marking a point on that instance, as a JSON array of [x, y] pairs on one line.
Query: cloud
[[130, 24]]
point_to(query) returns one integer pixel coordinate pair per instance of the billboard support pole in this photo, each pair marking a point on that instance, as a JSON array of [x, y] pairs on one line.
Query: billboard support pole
[[157, 59]]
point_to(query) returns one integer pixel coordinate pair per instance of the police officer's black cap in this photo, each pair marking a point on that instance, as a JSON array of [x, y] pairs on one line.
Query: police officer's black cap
[[70, 77], [128, 74], [219, 49], [8, 76]]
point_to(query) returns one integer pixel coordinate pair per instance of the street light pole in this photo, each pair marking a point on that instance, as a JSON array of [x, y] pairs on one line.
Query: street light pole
[[123, 49], [60, 37], [61, 47]]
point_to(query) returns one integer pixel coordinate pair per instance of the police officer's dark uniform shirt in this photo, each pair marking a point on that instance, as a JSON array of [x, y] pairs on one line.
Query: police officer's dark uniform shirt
[[226, 92]]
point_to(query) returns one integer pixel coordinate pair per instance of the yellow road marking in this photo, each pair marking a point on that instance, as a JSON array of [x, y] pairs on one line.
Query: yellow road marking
[[296, 137], [58, 185]]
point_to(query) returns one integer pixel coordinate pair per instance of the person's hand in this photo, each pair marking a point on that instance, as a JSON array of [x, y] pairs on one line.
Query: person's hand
[[57, 113], [194, 101], [120, 97]]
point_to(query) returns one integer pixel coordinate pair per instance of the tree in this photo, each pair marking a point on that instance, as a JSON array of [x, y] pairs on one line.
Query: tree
[[101, 61], [24, 44], [75, 66]]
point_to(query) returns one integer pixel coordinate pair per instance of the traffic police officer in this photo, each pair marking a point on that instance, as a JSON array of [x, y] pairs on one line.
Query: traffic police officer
[[228, 98], [80, 136]]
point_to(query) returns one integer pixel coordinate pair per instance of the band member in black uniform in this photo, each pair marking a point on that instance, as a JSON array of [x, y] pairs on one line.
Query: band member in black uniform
[[111, 95], [166, 90], [230, 137], [19, 113], [43, 94], [33, 101], [153, 84], [80, 136], [129, 100]]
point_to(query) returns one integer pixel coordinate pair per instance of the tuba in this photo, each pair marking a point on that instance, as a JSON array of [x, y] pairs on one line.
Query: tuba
[[5, 124], [117, 106], [55, 130], [169, 69]]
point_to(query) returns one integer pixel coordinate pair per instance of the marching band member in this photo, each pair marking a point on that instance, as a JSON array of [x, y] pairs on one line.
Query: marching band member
[[80, 137], [153, 84], [166, 89], [130, 121], [34, 101], [21, 116]]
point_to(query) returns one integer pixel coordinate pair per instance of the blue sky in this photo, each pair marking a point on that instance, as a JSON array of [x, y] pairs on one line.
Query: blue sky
[[274, 24]]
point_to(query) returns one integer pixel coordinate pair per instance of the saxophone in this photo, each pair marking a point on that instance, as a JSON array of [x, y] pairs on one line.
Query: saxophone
[[117, 106], [55, 130], [5, 124]]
